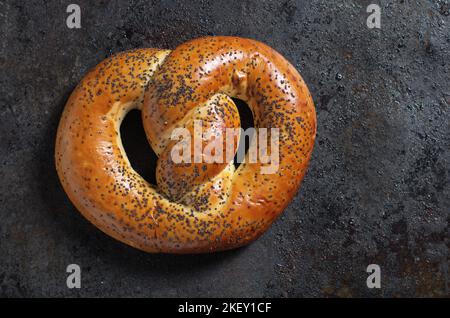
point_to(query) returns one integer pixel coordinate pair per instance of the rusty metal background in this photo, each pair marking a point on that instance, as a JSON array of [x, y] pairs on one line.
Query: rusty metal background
[[377, 190]]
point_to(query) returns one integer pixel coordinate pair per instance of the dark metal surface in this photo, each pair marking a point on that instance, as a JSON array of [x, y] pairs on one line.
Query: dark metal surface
[[377, 190]]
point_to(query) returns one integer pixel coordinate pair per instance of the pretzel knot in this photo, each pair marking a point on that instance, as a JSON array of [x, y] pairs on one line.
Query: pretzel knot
[[198, 204]]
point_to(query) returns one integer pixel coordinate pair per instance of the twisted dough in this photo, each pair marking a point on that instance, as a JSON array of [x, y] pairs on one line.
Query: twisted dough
[[198, 207]]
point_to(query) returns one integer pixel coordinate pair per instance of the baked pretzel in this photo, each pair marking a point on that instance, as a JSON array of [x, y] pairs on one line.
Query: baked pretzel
[[194, 207]]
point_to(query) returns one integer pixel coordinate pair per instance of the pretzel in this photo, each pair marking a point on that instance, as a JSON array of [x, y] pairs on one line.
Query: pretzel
[[195, 207]]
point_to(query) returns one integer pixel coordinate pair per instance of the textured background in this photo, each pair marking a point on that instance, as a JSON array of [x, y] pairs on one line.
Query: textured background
[[377, 190]]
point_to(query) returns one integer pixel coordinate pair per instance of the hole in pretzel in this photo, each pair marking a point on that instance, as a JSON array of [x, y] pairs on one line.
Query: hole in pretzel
[[247, 121], [139, 152]]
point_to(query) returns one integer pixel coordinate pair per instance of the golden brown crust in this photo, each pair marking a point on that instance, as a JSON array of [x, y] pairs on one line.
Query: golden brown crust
[[223, 210]]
